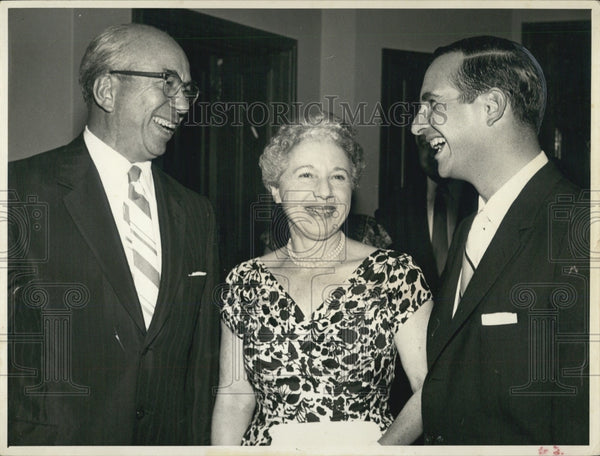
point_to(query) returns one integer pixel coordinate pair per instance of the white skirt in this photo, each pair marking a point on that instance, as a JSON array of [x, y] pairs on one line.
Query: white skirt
[[325, 433]]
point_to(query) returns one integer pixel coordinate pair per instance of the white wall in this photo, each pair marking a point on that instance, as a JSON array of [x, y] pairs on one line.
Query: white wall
[[45, 46], [39, 89]]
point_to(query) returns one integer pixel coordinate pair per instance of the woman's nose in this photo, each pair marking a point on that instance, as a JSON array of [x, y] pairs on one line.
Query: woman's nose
[[323, 189]]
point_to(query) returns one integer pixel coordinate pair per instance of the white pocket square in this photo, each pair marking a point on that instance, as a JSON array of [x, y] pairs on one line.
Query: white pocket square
[[197, 274], [499, 318]]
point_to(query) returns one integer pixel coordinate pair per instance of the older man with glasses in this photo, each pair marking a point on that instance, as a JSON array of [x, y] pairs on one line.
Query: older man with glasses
[[122, 349]]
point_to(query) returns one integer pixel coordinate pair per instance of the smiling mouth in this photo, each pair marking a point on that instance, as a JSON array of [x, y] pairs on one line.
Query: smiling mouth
[[437, 144], [167, 126], [321, 210]]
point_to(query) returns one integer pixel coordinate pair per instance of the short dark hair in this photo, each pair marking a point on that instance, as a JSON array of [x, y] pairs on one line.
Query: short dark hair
[[490, 62]]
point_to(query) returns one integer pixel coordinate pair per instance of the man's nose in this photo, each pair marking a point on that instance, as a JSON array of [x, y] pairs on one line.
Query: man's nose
[[420, 121], [181, 104]]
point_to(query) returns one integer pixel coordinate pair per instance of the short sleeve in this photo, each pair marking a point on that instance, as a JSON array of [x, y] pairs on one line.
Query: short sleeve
[[408, 289], [237, 301]]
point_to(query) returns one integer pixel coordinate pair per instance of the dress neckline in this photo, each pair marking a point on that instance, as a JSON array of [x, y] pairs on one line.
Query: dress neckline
[[348, 281]]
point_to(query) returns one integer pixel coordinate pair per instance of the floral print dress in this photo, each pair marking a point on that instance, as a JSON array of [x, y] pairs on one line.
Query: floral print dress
[[334, 365]]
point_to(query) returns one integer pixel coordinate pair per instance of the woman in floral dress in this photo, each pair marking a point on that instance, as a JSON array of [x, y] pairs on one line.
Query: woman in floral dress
[[310, 331]]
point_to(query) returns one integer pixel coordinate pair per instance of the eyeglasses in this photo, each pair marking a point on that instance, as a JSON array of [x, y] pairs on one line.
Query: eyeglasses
[[172, 83]]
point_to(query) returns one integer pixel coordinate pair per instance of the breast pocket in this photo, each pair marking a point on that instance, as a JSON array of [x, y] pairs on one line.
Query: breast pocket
[[193, 286], [504, 354]]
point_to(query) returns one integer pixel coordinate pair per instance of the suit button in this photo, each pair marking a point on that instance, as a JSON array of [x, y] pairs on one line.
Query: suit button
[[139, 413]]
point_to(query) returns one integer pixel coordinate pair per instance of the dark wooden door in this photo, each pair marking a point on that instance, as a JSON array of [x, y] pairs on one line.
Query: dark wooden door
[[563, 50], [402, 76], [242, 73]]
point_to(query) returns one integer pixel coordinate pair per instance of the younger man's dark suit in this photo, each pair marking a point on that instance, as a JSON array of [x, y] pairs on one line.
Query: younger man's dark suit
[[511, 367]]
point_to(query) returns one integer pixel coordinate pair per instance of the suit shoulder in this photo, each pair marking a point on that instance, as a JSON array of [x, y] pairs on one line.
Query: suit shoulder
[[36, 170], [561, 184], [41, 161]]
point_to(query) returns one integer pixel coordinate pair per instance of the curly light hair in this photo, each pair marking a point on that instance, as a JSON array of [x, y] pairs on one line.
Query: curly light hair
[[314, 126]]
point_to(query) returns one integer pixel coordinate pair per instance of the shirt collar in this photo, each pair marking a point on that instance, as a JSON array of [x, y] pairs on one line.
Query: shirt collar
[[111, 165], [497, 206]]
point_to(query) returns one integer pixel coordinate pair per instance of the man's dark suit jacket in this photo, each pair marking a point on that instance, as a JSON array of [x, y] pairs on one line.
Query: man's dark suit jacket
[[83, 368], [406, 223], [523, 383]]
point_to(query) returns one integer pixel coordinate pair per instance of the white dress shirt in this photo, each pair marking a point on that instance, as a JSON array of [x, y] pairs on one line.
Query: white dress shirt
[[491, 213], [113, 168]]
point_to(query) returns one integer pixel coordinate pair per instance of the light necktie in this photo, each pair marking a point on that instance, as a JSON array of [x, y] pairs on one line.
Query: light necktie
[[439, 238], [471, 256], [136, 213]]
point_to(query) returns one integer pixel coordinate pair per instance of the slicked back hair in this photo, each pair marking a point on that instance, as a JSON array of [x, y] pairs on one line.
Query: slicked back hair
[[496, 62]]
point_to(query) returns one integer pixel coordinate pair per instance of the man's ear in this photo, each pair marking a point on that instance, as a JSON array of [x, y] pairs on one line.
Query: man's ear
[[275, 194], [104, 92], [495, 102]]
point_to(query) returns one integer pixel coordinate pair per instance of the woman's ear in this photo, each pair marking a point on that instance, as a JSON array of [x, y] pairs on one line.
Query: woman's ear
[[104, 92], [275, 194], [495, 102]]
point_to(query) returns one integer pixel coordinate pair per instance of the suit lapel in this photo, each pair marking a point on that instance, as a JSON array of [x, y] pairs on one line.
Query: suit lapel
[[172, 233], [511, 236], [89, 208]]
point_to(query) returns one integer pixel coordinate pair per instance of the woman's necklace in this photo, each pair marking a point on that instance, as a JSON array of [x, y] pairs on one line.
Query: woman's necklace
[[325, 260]]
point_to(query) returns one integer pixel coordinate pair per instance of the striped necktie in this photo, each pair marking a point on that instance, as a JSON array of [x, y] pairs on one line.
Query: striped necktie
[[136, 213]]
